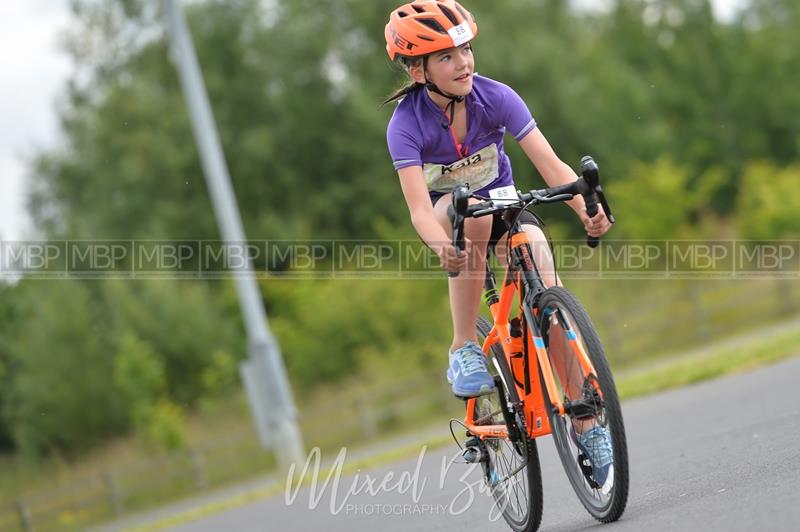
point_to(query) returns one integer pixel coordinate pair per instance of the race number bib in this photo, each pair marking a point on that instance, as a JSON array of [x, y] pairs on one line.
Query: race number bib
[[475, 171]]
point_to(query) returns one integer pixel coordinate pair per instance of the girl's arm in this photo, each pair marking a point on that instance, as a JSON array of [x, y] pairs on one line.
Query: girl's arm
[[424, 219], [557, 172], [419, 205]]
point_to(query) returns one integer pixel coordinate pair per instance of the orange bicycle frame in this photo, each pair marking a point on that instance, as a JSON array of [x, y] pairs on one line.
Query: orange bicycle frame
[[525, 370]]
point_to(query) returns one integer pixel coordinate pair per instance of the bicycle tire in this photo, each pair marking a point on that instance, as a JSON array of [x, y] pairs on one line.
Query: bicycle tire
[[605, 503], [502, 455]]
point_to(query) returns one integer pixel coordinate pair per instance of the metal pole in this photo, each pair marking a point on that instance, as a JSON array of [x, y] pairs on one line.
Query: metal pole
[[279, 418]]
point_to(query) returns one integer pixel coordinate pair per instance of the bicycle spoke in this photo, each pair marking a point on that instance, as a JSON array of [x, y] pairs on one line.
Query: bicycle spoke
[[512, 467], [509, 477], [589, 436], [516, 491]]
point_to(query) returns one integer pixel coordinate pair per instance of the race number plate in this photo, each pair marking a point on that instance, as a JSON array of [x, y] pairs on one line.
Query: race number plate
[[504, 195]]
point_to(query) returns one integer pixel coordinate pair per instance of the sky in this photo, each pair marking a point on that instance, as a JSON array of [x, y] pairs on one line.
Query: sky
[[33, 74]]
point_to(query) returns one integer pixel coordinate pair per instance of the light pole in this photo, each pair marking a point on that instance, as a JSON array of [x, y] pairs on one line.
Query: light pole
[[264, 374]]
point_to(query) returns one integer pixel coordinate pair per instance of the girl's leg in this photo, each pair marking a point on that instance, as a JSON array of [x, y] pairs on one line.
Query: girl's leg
[[466, 289], [541, 253]]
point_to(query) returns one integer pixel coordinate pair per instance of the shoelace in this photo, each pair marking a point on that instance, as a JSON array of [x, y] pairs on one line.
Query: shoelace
[[470, 360], [599, 446]]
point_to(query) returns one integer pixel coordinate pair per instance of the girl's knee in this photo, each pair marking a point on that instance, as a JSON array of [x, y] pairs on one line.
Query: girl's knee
[[478, 229]]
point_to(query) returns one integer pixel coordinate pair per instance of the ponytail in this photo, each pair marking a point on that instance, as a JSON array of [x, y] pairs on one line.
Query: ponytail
[[403, 91], [410, 86]]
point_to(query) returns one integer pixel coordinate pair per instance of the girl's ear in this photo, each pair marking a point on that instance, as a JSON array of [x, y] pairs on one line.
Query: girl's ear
[[417, 72]]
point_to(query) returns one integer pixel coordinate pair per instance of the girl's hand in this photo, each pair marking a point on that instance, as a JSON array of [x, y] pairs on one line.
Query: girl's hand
[[447, 256], [596, 226]]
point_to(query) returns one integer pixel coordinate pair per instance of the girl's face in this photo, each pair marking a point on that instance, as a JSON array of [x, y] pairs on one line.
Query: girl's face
[[451, 70]]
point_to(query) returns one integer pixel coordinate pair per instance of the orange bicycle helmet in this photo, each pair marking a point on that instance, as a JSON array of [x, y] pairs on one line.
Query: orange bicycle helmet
[[427, 26]]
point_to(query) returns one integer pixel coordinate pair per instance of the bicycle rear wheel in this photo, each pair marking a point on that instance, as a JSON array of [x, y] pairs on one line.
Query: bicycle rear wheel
[[510, 465], [591, 401]]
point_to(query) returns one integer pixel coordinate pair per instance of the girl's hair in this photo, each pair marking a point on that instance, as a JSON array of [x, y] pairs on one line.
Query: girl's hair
[[403, 91], [410, 86]]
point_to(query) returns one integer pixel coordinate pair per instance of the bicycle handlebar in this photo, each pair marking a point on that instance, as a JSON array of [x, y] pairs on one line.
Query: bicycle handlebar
[[588, 185]]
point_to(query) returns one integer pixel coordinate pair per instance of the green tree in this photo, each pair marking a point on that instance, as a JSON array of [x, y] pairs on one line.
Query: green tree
[[84, 361], [182, 322], [60, 393], [139, 374], [131, 169]]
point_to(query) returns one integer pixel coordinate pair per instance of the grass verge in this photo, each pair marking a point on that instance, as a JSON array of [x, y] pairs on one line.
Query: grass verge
[[714, 363], [242, 499]]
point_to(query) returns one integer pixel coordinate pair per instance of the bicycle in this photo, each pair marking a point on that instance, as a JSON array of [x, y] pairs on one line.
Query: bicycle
[[550, 371]]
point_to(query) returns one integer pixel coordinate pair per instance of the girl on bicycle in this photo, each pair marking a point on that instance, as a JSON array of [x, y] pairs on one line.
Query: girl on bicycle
[[447, 130]]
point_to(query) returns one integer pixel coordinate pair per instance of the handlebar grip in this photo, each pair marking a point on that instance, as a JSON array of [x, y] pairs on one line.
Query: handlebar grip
[[591, 174]]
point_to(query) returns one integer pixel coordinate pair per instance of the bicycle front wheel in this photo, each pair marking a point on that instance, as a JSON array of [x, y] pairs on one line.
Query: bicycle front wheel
[[590, 435], [510, 465]]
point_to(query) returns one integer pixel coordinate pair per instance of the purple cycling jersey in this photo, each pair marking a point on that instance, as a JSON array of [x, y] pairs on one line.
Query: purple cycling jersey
[[416, 138]]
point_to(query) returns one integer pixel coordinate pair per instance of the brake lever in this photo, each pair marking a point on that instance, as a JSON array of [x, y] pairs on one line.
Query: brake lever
[[602, 197], [456, 212]]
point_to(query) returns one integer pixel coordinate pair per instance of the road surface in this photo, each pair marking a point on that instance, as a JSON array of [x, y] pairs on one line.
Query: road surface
[[722, 455]]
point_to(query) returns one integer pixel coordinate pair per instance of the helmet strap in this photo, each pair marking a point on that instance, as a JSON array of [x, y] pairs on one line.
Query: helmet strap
[[450, 105], [433, 88]]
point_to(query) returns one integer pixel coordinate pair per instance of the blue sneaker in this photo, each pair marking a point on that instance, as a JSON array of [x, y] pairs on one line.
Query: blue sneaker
[[467, 372], [596, 445]]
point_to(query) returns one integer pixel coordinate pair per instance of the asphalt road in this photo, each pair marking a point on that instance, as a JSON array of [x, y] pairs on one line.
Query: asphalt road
[[722, 455]]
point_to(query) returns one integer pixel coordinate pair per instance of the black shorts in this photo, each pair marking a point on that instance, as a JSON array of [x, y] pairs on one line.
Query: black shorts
[[499, 226]]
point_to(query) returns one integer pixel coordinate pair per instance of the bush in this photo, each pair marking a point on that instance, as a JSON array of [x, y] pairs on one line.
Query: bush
[[187, 322], [661, 200], [768, 202], [82, 361], [328, 329], [61, 394]]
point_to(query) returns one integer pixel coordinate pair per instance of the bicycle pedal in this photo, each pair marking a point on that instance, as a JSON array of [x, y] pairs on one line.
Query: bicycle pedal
[[473, 452], [586, 468], [473, 455]]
